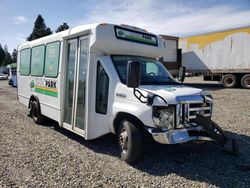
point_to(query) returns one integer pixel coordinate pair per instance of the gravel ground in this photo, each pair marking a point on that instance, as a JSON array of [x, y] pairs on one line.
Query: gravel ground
[[47, 156]]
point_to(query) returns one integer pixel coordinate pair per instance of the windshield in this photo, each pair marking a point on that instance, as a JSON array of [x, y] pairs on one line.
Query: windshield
[[152, 71]]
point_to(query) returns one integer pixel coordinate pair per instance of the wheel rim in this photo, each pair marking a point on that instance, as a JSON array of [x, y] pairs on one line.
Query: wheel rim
[[123, 140], [229, 81], [34, 113]]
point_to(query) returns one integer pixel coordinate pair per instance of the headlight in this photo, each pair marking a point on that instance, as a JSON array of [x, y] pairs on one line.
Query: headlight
[[163, 116]]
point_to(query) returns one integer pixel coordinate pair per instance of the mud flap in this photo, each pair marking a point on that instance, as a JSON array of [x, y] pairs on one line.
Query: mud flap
[[213, 129]]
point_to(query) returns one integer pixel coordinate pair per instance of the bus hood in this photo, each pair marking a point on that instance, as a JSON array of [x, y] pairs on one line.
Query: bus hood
[[173, 93]]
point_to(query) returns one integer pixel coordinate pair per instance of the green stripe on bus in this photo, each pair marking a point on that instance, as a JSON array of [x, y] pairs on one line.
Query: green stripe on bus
[[46, 92]]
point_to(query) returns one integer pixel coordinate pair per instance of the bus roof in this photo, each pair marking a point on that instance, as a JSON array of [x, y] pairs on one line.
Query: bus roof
[[110, 39], [59, 35], [69, 32]]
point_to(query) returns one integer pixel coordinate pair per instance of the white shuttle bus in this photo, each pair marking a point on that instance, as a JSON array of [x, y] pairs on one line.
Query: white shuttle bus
[[104, 78]]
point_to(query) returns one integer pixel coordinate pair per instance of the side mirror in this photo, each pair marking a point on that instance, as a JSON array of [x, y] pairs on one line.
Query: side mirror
[[182, 74], [161, 60], [133, 74]]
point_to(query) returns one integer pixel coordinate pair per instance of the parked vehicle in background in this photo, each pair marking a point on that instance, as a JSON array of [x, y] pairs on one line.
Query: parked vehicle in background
[[13, 78], [219, 56], [4, 70], [172, 57], [3, 76], [11, 67], [104, 78]]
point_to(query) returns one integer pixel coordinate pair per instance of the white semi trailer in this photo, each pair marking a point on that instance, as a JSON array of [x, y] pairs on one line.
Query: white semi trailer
[[172, 57], [219, 56]]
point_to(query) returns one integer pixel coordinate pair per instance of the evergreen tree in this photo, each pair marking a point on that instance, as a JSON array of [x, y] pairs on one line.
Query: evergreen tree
[[2, 55], [7, 59], [62, 27], [40, 29], [14, 56]]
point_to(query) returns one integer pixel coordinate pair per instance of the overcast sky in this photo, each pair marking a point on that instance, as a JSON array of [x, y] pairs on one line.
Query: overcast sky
[[169, 17]]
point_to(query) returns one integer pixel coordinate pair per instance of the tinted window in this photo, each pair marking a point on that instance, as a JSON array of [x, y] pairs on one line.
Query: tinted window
[[37, 60], [80, 110], [25, 62], [70, 81], [102, 87], [152, 71], [151, 68], [52, 59]]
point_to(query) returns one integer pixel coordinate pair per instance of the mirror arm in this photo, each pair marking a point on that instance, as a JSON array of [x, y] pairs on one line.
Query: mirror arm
[[149, 98], [140, 95]]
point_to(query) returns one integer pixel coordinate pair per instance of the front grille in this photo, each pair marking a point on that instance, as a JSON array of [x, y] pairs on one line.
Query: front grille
[[189, 110], [201, 108]]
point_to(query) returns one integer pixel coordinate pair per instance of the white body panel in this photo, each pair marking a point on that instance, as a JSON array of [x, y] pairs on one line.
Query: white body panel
[[171, 50], [102, 43], [225, 51]]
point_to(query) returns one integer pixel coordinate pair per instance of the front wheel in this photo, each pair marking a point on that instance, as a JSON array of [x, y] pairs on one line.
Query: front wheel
[[129, 139]]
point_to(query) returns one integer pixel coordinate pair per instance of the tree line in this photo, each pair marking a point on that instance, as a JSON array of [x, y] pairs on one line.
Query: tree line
[[39, 30]]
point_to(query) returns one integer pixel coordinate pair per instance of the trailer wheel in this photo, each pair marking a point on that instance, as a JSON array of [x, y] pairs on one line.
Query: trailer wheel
[[129, 139], [35, 113], [229, 81], [245, 81]]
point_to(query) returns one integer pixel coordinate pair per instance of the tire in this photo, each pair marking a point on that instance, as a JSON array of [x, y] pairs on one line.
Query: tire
[[129, 141], [35, 113], [245, 81], [229, 81]]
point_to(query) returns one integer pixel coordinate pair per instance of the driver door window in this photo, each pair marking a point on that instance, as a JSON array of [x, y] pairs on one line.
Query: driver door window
[[102, 87]]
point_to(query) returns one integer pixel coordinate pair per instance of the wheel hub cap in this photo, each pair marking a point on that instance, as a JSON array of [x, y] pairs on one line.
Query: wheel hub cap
[[123, 138], [229, 81], [247, 81]]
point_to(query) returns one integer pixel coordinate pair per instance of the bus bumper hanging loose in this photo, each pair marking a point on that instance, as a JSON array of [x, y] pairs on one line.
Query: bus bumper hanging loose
[[207, 130], [218, 135]]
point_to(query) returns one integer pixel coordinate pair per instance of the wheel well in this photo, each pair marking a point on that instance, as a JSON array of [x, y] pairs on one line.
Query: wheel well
[[123, 115], [238, 75]]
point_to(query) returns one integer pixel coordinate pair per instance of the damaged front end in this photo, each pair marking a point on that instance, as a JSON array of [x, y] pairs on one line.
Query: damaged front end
[[189, 120]]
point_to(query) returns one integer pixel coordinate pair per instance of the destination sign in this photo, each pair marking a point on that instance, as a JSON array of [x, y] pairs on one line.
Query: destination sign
[[135, 36]]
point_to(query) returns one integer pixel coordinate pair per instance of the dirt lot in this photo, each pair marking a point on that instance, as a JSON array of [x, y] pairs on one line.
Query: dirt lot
[[47, 156]]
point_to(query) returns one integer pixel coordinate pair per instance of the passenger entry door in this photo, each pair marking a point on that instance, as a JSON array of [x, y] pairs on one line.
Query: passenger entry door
[[75, 86]]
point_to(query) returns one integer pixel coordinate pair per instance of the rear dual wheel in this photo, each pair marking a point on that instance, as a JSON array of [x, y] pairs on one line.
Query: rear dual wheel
[[35, 113], [245, 81], [230, 80]]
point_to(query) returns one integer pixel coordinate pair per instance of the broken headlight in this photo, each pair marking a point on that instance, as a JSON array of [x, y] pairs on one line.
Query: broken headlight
[[164, 116]]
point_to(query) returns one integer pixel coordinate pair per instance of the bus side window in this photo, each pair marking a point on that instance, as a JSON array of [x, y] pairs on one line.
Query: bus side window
[[52, 57], [25, 62], [37, 60], [102, 87]]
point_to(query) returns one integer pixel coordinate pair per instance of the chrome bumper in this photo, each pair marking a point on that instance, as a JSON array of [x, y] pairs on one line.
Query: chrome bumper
[[177, 136]]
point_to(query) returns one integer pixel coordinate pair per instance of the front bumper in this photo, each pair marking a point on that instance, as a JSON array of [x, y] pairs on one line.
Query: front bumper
[[206, 130], [178, 136]]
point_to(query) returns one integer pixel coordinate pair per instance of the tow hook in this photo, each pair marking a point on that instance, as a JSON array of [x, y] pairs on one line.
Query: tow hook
[[220, 137]]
